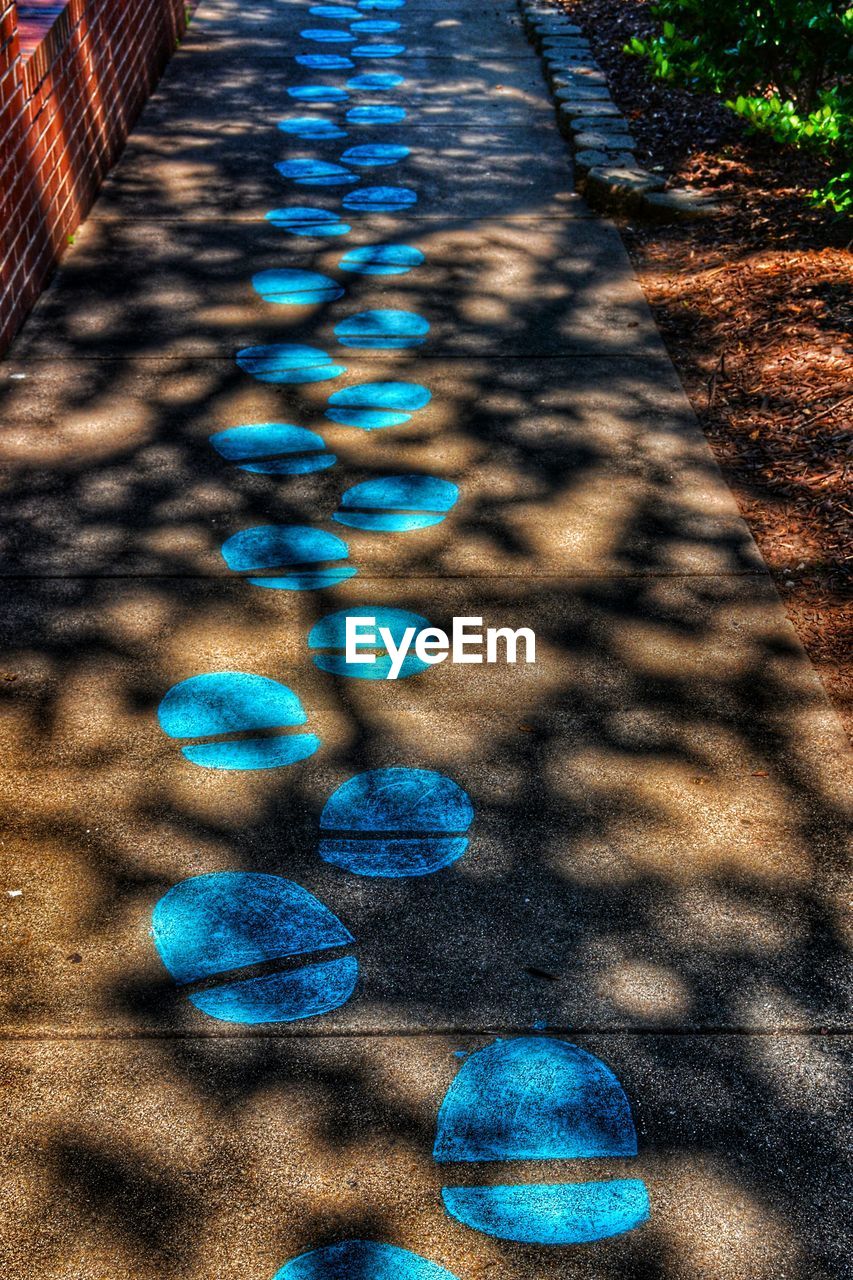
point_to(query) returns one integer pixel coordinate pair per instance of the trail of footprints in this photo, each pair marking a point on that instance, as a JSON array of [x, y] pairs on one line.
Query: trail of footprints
[[252, 949]]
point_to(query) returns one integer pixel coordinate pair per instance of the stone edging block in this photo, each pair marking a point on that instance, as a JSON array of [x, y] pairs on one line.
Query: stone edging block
[[607, 172]]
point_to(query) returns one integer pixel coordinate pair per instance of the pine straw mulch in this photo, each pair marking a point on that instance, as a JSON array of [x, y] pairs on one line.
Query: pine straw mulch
[[755, 307]]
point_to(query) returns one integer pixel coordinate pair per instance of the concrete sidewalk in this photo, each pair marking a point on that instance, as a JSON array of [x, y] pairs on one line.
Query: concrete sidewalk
[[656, 868]]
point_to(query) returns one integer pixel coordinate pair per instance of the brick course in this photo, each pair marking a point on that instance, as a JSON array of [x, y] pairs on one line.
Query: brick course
[[73, 79]]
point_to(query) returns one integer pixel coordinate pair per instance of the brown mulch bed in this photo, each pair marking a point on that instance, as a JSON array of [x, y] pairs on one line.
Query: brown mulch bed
[[755, 307]]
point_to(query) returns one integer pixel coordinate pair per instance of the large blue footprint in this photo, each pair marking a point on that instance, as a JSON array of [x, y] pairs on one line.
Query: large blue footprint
[[210, 929], [395, 822], [361, 1260], [236, 720], [536, 1098]]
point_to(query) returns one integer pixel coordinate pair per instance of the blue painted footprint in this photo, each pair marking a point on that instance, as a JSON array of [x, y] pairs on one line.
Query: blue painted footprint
[[289, 287], [301, 221], [386, 330], [380, 199], [290, 557], [288, 363], [344, 12], [395, 632], [213, 716], [317, 93], [379, 113], [306, 172], [311, 128], [375, 155], [361, 1260], [374, 27], [374, 406], [535, 1098], [377, 50], [381, 259], [375, 82], [395, 822], [211, 929], [324, 61], [327, 35], [273, 449], [397, 504]]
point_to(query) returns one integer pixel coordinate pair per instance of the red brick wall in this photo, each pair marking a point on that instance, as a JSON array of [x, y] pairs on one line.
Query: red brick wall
[[67, 104]]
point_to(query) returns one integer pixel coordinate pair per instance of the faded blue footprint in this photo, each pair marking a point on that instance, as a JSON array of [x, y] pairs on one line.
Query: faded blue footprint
[[382, 330], [395, 822], [327, 35], [380, 199], [316, 173], [324, 61], [376, 81], [344, 12], [236, 702], [535, 1098], [377, 50], [375, 155], [287, 362], [327, 640], [397, 504], [288, 287], [374, 27], [381, 259], [311, 127], [273, 449], [303, 557], [317, 93], [300, 221], [361, 1260], [372, 406], [211, 929], [378, 114]]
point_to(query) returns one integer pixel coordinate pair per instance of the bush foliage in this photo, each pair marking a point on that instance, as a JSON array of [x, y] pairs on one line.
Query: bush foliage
[[785, 66]]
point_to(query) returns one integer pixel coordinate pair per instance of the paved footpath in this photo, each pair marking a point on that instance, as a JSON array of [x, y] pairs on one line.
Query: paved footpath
[[653, 872]]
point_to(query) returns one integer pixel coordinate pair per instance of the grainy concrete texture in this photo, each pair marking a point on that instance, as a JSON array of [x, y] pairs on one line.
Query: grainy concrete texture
[[656, 869]]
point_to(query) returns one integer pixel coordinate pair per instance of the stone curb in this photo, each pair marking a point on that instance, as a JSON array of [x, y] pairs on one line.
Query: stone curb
[[606, 168]]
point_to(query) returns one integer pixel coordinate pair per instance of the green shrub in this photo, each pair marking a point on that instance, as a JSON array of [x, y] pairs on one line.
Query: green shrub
[[784, 66]]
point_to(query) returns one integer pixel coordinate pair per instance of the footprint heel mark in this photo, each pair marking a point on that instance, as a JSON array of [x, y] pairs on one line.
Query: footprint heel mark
[[288, 363], [238, 720], [248, 948], [290, 557], [395, 822], [397, 504], [384, 330], [361, 1260], [327, 642], [375, 406], [382, 260], [536, 1098], [286, 287], [273, 449]]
